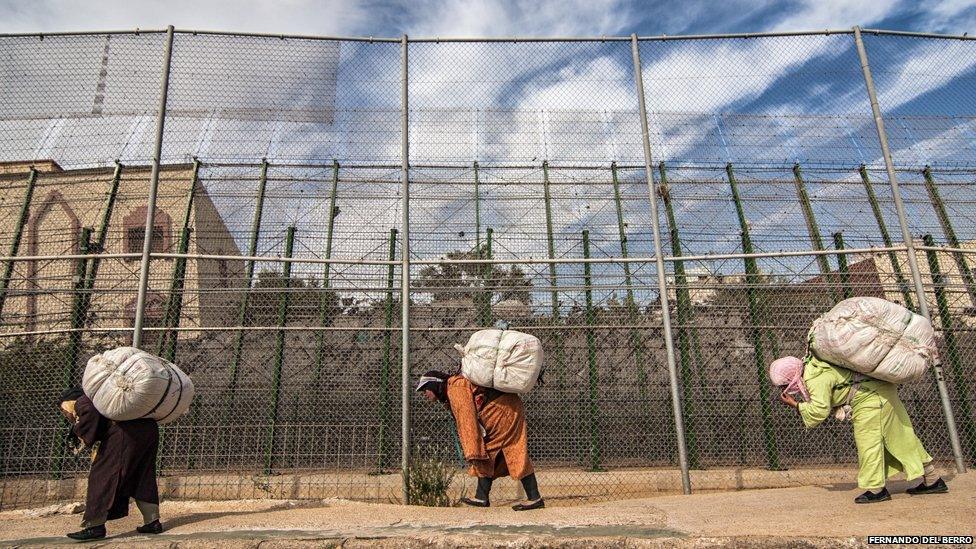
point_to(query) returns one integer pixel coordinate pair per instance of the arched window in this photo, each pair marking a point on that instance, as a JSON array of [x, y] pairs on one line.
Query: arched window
[[54, 216], [134, 225]]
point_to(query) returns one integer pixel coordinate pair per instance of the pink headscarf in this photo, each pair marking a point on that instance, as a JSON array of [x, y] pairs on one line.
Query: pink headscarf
[[788, 371]]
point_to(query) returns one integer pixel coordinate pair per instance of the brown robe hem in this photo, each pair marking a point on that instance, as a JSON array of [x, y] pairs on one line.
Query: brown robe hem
[[124, 466], [504, 448]]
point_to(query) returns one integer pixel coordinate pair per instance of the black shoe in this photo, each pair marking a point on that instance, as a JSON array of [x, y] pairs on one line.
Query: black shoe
[[475, 502], [537, 504], [153, 527], [95, 532], [937, 487], [871, 497]]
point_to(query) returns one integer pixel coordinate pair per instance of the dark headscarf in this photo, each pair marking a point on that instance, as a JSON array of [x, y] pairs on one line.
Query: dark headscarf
[[74, 393], [436, 381]]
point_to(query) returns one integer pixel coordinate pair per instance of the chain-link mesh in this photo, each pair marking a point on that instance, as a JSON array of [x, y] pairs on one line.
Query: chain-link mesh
[[276, 258], [928, 115]]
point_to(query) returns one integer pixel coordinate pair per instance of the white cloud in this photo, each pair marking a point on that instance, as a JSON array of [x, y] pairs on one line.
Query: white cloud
[[573, 88], [709, 76], [689, 84], [325, 17], [529, 102], [274, 16], [932, 65], [949, 8], [510, 102], [836, 14], [477, 18]]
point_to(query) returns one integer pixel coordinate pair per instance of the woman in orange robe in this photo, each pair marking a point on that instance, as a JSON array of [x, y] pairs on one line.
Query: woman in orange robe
[[493, 433]]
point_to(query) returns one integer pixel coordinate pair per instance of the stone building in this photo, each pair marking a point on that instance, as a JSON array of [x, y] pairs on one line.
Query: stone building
[[42, 292], [960, 296]]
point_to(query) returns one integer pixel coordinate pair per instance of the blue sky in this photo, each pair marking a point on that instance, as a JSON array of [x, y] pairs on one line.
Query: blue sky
[[488, 18], [762, 104]]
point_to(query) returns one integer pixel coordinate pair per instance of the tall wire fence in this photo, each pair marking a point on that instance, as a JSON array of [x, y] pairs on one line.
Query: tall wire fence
[[667, 214]]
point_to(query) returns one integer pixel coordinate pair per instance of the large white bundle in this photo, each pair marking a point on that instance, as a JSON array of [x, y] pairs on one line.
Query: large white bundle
[[126, 383], [875, 337], [507, 360]]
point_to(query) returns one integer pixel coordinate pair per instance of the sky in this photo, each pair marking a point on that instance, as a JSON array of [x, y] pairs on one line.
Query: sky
[[479, 18], [761, 104]]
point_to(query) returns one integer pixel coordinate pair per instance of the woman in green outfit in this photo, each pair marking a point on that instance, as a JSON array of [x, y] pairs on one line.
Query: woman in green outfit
[[886, 442]]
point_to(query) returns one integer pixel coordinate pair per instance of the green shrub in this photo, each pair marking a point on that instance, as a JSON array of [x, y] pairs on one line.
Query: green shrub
[[429, 482]]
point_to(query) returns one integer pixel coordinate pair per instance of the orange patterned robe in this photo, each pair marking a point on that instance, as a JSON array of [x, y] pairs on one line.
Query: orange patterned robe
[[504, 449]]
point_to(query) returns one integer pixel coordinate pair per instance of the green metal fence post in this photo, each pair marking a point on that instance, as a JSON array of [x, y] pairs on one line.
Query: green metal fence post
[[636, 342], [324, 317], [174, 311], [477, 211], [174, 304], [950, 234], [900, 279], [8, 270], [69, 372], [482, 296], [845, 276], [592, 373], [961, 383], [248, 281], [77, 310], [489, 237], [385, 365], [98, 246], [488, 290], [758, 318], [553, 280], [279, 352], [685, 318], [812, 229]]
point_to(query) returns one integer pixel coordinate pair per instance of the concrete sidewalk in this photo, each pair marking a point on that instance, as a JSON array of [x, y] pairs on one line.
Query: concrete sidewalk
[[560, 485], [822, 516]]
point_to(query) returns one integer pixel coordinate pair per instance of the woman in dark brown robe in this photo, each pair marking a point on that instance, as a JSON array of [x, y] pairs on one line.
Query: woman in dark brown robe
[[123, 466], [493, 433]]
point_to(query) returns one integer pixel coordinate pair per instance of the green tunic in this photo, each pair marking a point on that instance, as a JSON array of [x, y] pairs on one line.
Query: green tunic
[[886, 442]]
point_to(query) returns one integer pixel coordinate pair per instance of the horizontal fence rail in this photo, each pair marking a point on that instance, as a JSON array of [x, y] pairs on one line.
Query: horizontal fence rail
[[306, 224]]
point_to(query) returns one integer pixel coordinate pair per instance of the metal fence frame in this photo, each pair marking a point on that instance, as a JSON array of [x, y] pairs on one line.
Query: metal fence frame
[[660, 257]]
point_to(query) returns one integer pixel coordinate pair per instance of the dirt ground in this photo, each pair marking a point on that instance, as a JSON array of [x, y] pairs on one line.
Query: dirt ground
[[823, 516]]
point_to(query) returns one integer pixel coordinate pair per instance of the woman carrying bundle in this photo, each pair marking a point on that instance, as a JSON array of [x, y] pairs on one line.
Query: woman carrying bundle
[[492, 429], [123, 466], [886, 443]]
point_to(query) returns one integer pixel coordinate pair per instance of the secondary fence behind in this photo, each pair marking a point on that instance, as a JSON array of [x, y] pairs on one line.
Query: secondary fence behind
[[333, 214]]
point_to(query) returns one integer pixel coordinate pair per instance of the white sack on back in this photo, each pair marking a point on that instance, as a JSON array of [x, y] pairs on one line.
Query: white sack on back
[[875, 337], [126, 383], [507, 360]]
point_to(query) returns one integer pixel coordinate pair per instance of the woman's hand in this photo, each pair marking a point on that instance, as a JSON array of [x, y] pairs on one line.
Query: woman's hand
[[69, 416], [68, 411], [788, 400]]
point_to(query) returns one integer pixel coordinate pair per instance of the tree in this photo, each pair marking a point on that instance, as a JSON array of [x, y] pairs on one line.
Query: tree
[[305, 298], [474, 281]]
